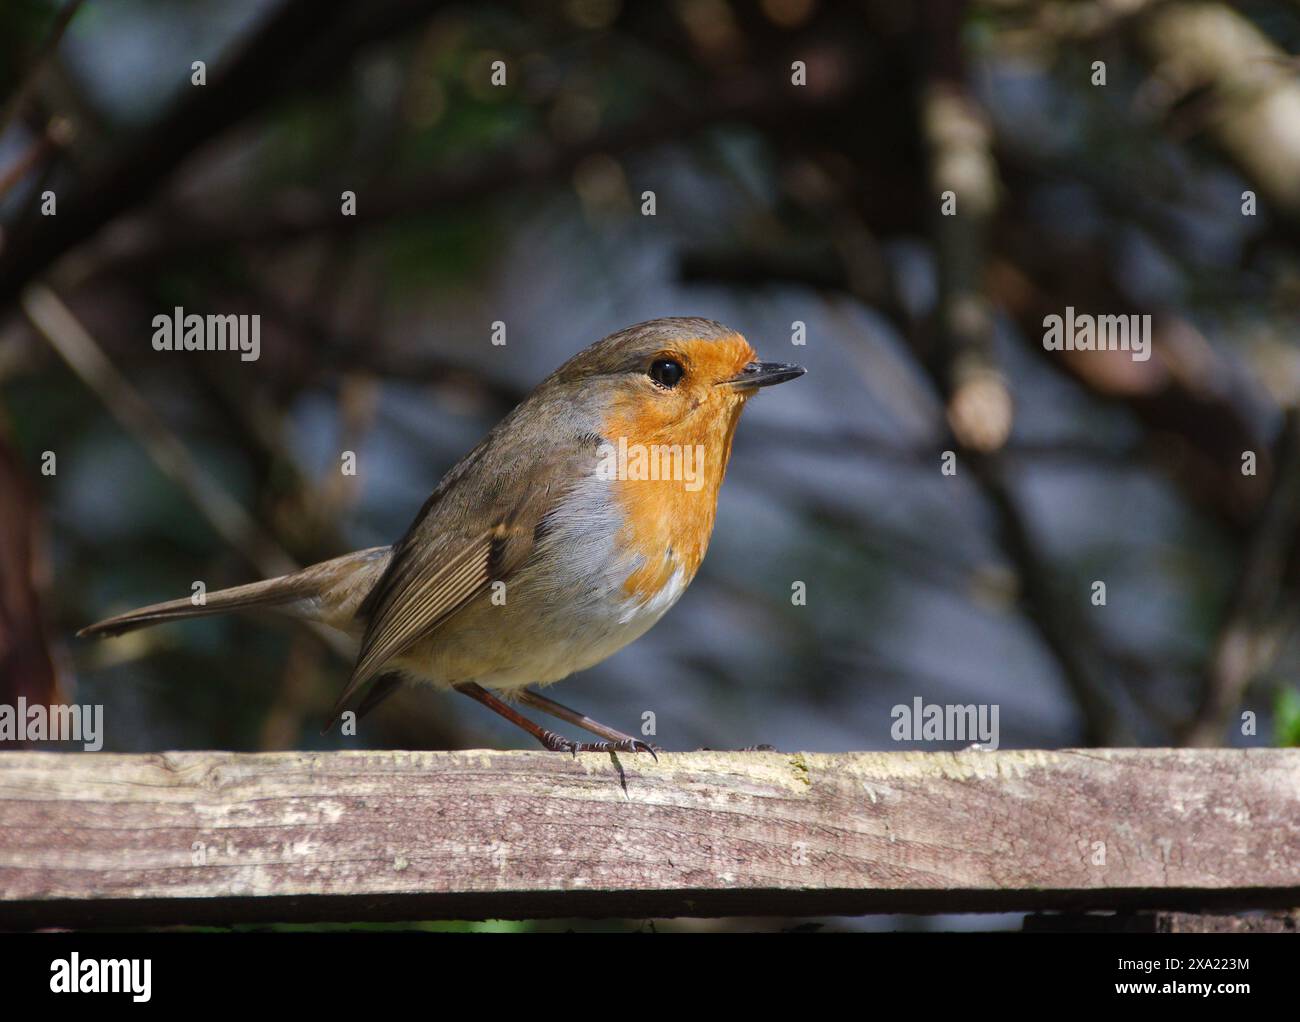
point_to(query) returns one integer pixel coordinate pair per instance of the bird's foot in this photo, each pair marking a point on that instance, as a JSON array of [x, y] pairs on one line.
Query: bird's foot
[[559, 743]]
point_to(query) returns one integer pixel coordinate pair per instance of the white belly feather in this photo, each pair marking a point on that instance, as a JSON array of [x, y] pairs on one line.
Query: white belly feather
[[552, 623]]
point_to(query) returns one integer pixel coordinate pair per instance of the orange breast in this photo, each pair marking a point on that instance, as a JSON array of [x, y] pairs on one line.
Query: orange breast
[[669, 520]]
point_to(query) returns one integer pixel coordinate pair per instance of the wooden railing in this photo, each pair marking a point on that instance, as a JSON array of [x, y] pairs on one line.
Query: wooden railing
[[210, 837]]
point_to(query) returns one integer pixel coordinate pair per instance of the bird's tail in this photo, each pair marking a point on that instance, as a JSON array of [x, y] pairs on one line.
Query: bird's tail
[[330, 589]]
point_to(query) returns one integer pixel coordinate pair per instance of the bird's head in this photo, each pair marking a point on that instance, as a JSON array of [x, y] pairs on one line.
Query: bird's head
[[673, 381]]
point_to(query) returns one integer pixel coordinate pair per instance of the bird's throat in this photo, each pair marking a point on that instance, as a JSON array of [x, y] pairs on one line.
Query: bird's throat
[[666, 483]]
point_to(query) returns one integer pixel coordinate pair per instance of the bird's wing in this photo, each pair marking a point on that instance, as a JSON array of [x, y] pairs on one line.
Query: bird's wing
[[421, 590], [437, 570]]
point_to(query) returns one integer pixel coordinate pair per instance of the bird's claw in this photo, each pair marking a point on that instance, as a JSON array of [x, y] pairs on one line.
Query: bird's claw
[[626, 745], [559, 743], [639, 746]]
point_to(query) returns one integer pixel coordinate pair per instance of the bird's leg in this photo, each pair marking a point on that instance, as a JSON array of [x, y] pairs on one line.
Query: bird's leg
[[620, 741], [549, 739]]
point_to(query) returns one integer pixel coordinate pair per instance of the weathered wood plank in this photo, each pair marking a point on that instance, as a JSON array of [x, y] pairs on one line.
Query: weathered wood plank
[[1285, 921], [193, 837]]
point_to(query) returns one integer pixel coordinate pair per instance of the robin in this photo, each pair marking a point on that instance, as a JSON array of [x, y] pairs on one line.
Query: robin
[[565, 534]]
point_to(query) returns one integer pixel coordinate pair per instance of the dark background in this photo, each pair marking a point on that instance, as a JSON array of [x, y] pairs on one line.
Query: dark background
[[775, 203]]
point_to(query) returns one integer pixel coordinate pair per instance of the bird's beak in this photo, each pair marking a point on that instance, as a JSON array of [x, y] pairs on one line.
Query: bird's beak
[[763, 374]]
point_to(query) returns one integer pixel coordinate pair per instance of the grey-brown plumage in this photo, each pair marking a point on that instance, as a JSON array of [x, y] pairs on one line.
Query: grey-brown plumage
[[526, 508], [313, 583]]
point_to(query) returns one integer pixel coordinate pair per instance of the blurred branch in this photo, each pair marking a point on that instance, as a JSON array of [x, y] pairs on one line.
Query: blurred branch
[[1187, 395], [358, 401], [38, 151], [1071, 640], [56, 323], [19, 99], [962, 167], [1256, 622], [26, 664], [1254, 100], [746, 98], [1183, 395], [318, 34], [1196, 422], [979, 406]]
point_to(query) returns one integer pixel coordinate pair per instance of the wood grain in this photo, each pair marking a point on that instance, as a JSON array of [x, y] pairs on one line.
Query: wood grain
[[220, 837]]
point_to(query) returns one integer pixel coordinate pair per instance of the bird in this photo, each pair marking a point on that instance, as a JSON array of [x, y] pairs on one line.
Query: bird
[[564, 535]]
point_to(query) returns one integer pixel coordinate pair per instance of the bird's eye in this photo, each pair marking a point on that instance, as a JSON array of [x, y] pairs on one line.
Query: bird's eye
[[666, 372]]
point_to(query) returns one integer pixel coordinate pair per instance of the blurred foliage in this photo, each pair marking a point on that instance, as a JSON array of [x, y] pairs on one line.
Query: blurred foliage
[[1286, 717], [776, 204]]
